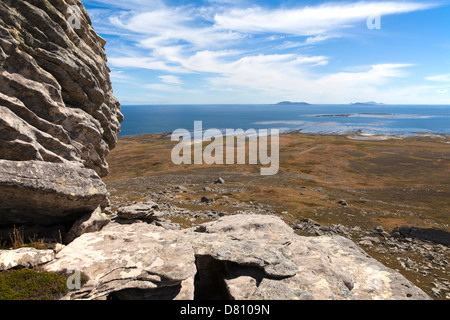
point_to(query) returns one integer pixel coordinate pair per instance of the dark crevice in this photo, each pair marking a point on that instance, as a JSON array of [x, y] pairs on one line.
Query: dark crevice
[[209, 280], [163, 293]]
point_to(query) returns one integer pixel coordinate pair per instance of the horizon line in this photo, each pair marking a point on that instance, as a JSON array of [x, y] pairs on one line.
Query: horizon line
[[276, 104]]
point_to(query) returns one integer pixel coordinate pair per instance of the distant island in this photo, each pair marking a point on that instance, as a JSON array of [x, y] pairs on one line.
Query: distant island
[[370, 103], [289, 103]]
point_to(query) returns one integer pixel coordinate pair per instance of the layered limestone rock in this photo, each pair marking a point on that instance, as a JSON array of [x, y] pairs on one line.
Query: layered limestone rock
[[237, 257], [59, 118], [41, 192], [122, 260]]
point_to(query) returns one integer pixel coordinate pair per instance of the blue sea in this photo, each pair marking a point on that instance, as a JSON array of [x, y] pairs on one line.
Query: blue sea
[[324, 119]]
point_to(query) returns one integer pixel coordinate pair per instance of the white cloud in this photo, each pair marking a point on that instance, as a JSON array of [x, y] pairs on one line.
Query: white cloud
[[233, 49], [279, 76], [128, 4], [439, 78], [308, 21], [163, 87], [444, 91], [170, 79], [150, 22], [117, 75], [319, 38], [144, 63]]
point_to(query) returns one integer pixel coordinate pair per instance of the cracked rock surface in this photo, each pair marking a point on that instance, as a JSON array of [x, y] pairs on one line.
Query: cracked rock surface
[[241, 257]]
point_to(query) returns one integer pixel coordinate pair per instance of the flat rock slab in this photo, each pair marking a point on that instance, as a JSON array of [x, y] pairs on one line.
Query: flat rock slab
[[123, 258], [297, 267], [24, 258], [36, 192], [140, 211], [252, 257]]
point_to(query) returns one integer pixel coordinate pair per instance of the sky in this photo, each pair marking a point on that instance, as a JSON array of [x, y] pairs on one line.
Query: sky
[[264, 52]]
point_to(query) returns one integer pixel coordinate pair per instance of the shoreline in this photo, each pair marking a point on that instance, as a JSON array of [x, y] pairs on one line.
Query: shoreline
[[353, 135]]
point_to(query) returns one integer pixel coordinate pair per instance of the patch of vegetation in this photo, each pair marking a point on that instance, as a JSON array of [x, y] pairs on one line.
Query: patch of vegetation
[[17, 241], [26, 284]]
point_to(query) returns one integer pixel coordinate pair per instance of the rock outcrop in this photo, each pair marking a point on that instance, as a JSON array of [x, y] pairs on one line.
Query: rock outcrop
[[59, 118], [425, 234], [243, 257]]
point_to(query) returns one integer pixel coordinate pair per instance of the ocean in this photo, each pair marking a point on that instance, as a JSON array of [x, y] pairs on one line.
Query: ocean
[[323, 119]]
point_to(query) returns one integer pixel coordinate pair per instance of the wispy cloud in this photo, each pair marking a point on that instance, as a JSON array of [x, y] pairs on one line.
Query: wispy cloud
[[170, 79], [253, 51], [439, 78], [311, 20]]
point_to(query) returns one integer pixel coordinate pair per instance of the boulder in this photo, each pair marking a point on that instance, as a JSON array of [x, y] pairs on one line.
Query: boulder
[[426, 234], [43, 193], [146, 211]]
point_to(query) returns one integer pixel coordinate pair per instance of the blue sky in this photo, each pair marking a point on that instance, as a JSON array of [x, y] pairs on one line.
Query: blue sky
[[242, 51]]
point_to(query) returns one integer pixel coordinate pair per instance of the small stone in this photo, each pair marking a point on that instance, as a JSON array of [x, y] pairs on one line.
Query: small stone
[[90, 223], [371, 239], [379, 230], [409, 263], [436, 292], [201, 229], [58, 247], [365, 243], [343, 202], [207, 200], [310, 221], [220, 181]]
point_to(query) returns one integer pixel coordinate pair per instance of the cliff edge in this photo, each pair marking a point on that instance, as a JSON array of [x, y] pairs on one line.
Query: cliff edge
[[59, 118]]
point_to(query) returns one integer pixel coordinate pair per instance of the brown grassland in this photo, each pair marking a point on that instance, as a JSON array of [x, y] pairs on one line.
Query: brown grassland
[[388, 183], [385, 183]]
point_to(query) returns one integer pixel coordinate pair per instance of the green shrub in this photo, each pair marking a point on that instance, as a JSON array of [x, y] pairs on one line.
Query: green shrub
[[26, 284]]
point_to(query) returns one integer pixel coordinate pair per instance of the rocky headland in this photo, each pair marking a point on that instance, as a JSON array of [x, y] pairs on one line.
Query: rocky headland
[[59, 118]]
